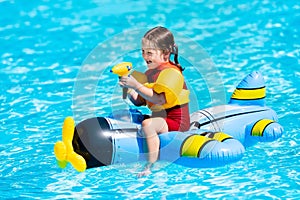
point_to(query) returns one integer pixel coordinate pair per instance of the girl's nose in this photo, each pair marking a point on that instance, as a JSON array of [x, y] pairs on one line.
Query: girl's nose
[[145, 56]]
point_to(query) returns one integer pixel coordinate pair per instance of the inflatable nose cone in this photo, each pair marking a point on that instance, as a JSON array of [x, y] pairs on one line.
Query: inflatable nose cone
[[250, 91], [93, 142]]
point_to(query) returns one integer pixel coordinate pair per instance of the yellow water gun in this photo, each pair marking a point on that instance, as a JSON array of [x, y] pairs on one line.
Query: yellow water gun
[[122, 69]]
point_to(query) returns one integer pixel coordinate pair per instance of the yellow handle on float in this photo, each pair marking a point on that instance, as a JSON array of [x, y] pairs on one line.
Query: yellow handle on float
[[122, 69]]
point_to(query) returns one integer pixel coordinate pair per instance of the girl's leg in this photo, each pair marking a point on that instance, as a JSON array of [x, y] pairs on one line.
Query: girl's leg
[[151, 128]]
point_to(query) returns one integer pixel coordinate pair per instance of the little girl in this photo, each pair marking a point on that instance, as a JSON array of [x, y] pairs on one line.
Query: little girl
[[165, 93]]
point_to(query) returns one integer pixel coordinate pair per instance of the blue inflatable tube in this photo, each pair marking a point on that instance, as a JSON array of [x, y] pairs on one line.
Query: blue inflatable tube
[[217, 136]]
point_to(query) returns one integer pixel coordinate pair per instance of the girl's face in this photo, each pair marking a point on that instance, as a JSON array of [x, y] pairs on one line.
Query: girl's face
[[154, 57]]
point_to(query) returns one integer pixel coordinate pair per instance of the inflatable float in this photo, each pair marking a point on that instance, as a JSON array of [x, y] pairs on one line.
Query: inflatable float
[[217, 136]]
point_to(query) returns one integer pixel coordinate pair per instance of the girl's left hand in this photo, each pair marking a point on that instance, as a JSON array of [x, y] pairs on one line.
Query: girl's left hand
[[128, 82]]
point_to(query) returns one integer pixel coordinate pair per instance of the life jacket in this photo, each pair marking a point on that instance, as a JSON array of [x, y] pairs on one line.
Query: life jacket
[[171, 82]]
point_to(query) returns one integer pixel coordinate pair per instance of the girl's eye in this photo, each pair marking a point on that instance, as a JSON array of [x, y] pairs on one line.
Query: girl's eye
[[148, 53]]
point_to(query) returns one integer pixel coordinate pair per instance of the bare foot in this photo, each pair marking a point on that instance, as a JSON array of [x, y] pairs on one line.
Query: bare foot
[[146, 171]]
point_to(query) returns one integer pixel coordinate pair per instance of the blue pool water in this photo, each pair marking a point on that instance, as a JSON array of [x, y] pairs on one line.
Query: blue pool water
[[44, 45]]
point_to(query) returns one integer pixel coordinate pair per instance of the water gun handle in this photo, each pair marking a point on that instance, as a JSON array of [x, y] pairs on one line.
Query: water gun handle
[[124, 95], [122, 69]]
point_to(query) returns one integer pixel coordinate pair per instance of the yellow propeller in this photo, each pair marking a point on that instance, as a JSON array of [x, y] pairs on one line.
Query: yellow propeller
[[64, 151]]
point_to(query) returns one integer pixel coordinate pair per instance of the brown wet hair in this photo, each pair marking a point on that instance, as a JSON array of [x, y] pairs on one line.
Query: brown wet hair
[[161, 38]]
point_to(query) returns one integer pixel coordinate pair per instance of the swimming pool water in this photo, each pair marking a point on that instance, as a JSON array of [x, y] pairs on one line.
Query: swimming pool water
[[43, 46]]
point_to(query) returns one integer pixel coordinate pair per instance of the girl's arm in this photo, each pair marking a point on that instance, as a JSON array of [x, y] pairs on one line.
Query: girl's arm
[[135, 98], [147, 93], [150, 95]]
